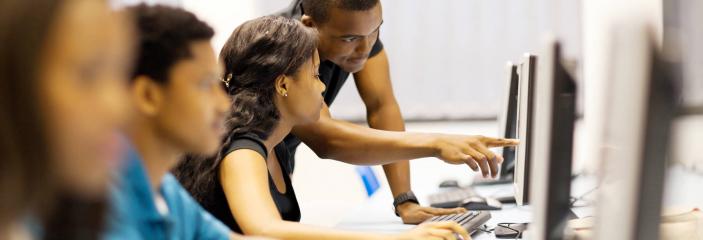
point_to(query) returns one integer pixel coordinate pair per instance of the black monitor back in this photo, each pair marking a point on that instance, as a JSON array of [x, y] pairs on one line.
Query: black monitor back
[[508, 121], [553, 133]]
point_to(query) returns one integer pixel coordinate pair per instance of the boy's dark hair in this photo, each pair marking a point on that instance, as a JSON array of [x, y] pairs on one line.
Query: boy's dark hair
[[319, 9], [164, 37]]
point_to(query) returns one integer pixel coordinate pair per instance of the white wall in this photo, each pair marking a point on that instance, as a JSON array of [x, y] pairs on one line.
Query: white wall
[[689, 130], [226, 15], [447, 57], [222, 15], [691, 16]]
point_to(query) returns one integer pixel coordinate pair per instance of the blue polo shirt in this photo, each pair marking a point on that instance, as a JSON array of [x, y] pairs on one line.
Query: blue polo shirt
[[134, 214]]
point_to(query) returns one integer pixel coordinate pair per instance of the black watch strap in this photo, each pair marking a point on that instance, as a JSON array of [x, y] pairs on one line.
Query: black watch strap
[[403, 198]]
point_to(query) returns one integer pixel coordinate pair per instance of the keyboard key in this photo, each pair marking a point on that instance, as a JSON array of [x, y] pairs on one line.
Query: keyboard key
[[471, 220]]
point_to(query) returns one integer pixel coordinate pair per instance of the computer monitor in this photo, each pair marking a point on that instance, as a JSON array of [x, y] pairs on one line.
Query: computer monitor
[[507, 128], [642, 102], [521, 179], [552, 144], [508, 122]]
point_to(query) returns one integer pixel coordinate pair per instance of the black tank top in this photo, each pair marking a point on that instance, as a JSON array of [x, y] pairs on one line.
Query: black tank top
[[287, 203]]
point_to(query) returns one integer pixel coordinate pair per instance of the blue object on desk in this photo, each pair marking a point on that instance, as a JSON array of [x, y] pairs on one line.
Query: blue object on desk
[[369, 178]]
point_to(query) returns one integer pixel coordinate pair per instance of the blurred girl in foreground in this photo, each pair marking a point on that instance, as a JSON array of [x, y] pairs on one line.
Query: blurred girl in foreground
[[63, 76]]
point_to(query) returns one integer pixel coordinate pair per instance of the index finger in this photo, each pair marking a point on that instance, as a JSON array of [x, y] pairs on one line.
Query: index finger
[[499, 142]]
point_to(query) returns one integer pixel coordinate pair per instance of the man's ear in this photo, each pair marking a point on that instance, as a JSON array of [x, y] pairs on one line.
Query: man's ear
[[308, 22], [282, 85], [147, 95]]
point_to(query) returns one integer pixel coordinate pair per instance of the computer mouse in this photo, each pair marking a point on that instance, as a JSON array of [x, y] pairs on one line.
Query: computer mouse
[[481, 203], [449, 184], [506, 199], [510, 230]]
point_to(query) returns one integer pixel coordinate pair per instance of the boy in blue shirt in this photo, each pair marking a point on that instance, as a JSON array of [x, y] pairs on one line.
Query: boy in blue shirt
[[180, 107]]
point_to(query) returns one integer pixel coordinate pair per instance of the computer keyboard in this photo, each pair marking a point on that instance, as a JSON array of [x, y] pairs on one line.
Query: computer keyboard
[[470, 220], [452, 198]]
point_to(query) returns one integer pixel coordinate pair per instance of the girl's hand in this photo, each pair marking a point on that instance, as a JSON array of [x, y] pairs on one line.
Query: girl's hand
[[436, 231]]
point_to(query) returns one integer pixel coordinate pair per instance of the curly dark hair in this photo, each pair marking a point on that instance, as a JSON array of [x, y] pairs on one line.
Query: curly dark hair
[[318, 10], [256, 54], [165, 34]]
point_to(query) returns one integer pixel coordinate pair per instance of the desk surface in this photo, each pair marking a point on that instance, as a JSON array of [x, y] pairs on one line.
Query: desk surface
[[376, 215]]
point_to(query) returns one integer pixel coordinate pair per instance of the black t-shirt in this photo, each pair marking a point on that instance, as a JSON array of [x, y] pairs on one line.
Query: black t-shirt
[[331, 74], [286, 203]]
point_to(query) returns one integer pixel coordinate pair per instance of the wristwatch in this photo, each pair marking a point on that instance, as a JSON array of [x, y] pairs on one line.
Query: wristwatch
[[403, 198]]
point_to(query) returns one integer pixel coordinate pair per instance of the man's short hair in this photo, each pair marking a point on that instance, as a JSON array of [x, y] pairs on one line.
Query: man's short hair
[[318, 10]]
